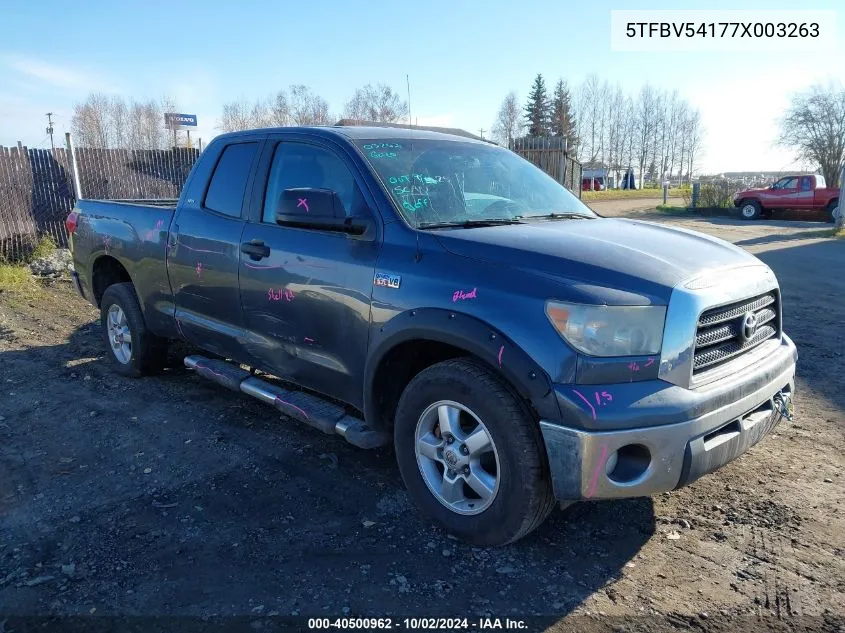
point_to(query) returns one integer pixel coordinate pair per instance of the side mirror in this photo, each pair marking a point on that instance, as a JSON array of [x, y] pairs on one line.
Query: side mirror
[[321, 210]]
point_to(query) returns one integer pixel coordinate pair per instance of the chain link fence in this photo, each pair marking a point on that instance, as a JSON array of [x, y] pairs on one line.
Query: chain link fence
[[36, 187], [550, 155]]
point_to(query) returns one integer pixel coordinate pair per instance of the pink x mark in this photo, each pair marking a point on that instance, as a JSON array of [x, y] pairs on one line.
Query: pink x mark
[[303, 202]]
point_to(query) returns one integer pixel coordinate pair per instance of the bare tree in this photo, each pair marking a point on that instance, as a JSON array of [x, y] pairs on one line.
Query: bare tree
[[237, 115], [646, 119], [280, 109], [588, 106], [112, 122], [695, 137], [814, 126], [308, 108], [376, 103], [91, 121], [508, 125]]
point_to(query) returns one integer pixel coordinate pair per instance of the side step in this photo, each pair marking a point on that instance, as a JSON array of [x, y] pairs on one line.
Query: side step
[[312, 410]]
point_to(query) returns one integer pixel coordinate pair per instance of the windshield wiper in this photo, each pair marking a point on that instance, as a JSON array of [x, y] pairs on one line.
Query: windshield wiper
[[567, 215], [468, 224]]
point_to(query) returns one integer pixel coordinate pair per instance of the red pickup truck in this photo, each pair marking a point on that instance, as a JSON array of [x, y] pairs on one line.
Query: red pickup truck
[[790, 192]]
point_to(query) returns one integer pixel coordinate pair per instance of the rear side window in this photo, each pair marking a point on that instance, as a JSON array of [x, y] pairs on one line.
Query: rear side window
[[806, 183], [228, 183]]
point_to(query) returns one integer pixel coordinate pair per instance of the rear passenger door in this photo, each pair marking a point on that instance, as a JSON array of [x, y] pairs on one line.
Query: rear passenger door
[[306, 298], [204, 252]]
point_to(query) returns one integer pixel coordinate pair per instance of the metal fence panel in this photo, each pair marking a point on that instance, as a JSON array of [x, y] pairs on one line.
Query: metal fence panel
[[36, 188]]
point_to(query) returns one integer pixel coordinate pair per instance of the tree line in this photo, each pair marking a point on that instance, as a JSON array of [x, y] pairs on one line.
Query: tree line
[[657, 133], [103, 121], [299, 105]]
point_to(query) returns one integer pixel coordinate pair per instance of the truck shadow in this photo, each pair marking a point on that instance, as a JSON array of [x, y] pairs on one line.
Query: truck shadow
[[173, 477]]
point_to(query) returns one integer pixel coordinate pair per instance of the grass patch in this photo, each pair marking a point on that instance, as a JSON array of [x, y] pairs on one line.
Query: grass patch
[[624, 194], [671, 208], [45, 247], [17, 279]]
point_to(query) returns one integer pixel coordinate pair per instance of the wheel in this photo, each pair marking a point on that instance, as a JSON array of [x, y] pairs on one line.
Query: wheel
[[471, 455], [750, 210], [135, 350], [831, 210]]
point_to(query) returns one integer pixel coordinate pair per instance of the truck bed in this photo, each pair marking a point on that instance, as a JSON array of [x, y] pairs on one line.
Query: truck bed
[[133, 235]]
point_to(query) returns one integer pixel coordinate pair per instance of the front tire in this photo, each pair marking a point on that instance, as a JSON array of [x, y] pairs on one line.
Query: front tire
[[471, 455], [134, 350], [750, 210], [831, 207]]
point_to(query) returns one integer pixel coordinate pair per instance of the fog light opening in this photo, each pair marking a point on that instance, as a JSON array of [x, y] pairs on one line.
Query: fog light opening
[[628, 464]]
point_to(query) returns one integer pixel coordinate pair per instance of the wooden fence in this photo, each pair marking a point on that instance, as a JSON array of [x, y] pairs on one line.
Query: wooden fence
[[36, 186], [550, 155]]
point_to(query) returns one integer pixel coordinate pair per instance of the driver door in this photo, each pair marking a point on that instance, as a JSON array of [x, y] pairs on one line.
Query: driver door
[[305, 295]]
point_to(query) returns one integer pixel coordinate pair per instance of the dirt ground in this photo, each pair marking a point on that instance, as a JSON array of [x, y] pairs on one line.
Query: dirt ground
[[172, 496]]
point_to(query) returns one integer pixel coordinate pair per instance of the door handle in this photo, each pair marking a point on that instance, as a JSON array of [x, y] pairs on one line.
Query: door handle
[[256, 250]]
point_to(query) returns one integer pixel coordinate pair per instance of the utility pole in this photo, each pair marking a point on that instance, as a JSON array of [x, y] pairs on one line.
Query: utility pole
[[50, 129], [482, 131]]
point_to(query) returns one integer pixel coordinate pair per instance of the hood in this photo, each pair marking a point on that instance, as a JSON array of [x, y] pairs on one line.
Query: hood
[[634, 257]]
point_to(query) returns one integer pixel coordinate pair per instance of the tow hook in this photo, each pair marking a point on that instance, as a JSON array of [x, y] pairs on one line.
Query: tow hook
[[783, 404]]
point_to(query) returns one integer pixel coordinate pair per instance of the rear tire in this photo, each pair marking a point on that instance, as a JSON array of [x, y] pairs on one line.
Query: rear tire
[[831, 207], [475, 406], [133, 349], [750, 210]]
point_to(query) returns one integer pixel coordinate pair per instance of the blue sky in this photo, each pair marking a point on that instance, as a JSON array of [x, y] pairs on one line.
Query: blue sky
[[462, 58]]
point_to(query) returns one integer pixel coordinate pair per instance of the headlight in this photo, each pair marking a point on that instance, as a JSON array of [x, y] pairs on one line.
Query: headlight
[[609, 330]]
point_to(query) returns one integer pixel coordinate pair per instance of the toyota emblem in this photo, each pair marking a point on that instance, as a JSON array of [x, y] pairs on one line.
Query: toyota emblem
[[749, 326]]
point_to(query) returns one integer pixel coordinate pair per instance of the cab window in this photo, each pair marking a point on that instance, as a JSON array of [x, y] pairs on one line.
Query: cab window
[[297, 165]]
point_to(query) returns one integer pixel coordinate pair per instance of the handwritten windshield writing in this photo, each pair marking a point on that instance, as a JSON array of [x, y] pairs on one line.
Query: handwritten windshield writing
[[370, 146]]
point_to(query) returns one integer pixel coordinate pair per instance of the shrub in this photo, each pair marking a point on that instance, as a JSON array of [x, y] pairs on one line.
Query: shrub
[[45, 247]]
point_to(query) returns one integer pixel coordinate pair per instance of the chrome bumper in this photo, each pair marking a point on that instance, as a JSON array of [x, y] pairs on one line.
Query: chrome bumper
[[641, 461]]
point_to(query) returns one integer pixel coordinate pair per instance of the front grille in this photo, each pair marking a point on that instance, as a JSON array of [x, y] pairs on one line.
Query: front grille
[[720, 338]]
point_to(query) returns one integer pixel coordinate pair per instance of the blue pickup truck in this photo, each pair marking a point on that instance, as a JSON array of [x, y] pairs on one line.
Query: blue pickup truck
[[445, 296]]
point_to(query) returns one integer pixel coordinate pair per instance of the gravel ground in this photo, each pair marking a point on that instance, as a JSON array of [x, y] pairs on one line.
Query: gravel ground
[[172, 496]]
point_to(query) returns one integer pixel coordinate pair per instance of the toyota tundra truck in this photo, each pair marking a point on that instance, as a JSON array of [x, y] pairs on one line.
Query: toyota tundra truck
[[799, 193], [448, 298]]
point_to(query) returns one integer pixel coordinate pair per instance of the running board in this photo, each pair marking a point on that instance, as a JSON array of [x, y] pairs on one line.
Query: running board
[[326, 416]]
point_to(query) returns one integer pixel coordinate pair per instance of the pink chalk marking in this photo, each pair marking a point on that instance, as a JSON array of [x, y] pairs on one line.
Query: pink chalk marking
[[292, 406], [308, 340], [248, 265], [649, 363], [303, 202], [202, 250], [580, 395], [281, 293], [460, 294], [607, 396], [634, 366], [595, 480], [501, 351], [199, 269]]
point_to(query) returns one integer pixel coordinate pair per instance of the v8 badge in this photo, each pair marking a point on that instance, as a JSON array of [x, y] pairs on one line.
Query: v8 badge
[[387, 280]]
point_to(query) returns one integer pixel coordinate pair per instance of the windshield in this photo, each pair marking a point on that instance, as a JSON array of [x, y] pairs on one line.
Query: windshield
[[436, 182]]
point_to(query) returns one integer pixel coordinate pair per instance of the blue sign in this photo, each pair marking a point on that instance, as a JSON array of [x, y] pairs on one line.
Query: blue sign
[[174, 119]]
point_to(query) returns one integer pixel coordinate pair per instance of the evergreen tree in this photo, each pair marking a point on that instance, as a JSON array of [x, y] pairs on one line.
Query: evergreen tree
[[537, 109], [562, 119]]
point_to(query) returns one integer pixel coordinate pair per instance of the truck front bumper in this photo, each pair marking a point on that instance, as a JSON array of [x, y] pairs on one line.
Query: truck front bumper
[[644, 460]]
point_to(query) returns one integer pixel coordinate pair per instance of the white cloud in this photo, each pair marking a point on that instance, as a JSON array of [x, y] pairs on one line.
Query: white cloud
[[55, 76]]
